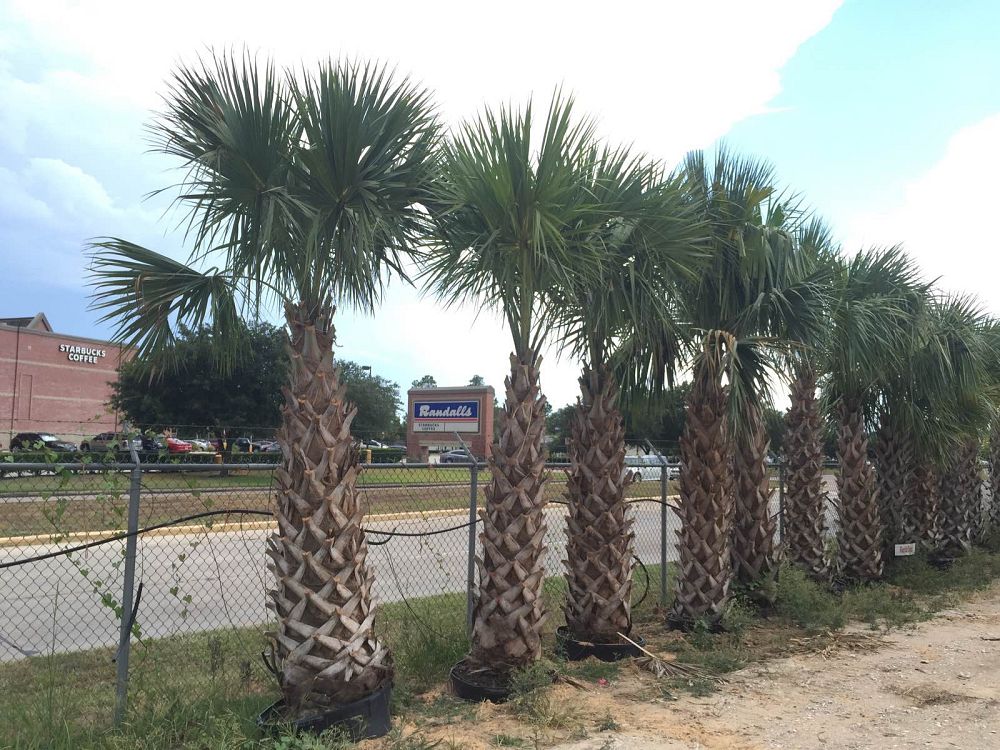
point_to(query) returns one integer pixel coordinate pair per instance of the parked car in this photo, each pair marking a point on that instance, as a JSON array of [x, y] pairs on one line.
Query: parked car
[[648, 468], [111, 441], [176, 445], [153, 444], [265, 446], [457, 456], [240, 445], [33, 441], [200, 444]]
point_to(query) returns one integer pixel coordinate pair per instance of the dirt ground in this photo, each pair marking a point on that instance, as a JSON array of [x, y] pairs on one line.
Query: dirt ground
[[936, 685]]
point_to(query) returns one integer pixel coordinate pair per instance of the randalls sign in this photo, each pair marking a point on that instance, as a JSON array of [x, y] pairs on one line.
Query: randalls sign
[[445, 416]]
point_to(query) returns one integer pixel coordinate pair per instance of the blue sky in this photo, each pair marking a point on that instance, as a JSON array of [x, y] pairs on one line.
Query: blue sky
[[885, 116]]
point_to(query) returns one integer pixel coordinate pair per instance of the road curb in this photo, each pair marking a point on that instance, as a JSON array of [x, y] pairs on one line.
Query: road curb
[[229, 526], [86, 536]]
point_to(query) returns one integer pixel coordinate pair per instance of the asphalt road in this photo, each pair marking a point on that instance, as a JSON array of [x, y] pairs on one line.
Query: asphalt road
[[213, 580], [208, 581]]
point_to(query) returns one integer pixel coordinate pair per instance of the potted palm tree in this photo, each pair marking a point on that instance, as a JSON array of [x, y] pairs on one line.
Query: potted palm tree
[[876, 299], [737, 313], [304, 189], [508, 212], [646, 237], [805, 501]]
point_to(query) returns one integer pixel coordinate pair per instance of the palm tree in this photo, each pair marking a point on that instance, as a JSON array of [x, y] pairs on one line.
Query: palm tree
[[993, 512], [875, 300], [735, 309], [805, 499], [304, 188], [647, 238], [964, 341], [508, 221]]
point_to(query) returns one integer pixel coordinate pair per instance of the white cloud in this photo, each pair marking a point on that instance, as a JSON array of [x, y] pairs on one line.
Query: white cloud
[[666, 76], [943, 218]]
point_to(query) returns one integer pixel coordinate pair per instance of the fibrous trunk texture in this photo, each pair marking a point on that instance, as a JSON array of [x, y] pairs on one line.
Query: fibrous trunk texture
[[993, 509], [922, 511], [893, 463], [805, 501], [860, 539], [600, 538], [753, 525], [509, 612], [325, 643], [706, 502], [960, 498]]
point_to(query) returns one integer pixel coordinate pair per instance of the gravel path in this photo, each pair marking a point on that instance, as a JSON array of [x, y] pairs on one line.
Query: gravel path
[[935, 686]]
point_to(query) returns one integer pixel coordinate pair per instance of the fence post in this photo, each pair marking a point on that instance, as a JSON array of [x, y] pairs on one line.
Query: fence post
[[471, 578], [664, 477], [663, 533], [125, 632]]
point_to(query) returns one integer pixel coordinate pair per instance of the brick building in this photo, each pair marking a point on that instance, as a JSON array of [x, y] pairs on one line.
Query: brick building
[[51, 382]]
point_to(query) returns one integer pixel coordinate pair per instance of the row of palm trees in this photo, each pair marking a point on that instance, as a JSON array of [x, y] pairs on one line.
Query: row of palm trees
[[313, 188]]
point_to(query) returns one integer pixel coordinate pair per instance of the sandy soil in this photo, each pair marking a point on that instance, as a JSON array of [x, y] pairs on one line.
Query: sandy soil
[[934, 686]]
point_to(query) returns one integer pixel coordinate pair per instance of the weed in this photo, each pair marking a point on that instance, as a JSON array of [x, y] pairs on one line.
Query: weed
[[508, 740], [397, 740], [607, 723], [739, 614], [595, 669], [806, 603], [531, 698]]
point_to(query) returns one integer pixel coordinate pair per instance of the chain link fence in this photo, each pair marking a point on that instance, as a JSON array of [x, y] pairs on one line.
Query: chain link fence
[[73, 579]]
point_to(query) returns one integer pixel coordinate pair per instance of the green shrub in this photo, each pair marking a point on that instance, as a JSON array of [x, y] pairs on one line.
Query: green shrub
[[805, 602]]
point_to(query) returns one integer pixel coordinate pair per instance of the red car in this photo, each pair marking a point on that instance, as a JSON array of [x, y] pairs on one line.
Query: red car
[[178, 446]]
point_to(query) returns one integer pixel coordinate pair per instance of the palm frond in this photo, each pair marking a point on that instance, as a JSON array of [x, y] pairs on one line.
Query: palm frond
[[505, 213], [149, 295]]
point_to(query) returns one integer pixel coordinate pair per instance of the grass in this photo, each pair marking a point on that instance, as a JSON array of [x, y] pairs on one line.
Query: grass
[[205, 690], [167, 478]]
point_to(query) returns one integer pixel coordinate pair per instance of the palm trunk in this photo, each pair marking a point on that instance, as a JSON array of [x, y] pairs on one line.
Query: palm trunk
[[754, 526], [706, 503], [920, 517], [960, 494], [599, 528], [860, 539], [893, 460], [325, 643], [805, 501], [509, 612], [993, 510]]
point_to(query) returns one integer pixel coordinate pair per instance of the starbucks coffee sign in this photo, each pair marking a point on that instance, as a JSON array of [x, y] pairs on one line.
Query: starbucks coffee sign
[[83, 354]]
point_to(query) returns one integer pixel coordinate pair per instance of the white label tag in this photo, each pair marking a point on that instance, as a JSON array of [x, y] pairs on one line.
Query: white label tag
[[903, 550]]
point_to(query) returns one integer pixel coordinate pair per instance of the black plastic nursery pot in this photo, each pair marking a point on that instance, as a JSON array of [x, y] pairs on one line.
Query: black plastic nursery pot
[[479, 685], [576, 650], [363, 719]]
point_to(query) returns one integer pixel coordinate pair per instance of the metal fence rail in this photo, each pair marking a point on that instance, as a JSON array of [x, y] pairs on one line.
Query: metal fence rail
[[97, 556]]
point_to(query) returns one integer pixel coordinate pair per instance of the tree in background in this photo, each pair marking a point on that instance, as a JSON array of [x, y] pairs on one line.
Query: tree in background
[[196, 395], [477, 381], [658, 418], [557, 426], [303, 190], [377, 399], [427, 381]]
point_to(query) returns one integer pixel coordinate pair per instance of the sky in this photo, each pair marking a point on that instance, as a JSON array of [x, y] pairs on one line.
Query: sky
[[884, 115]]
